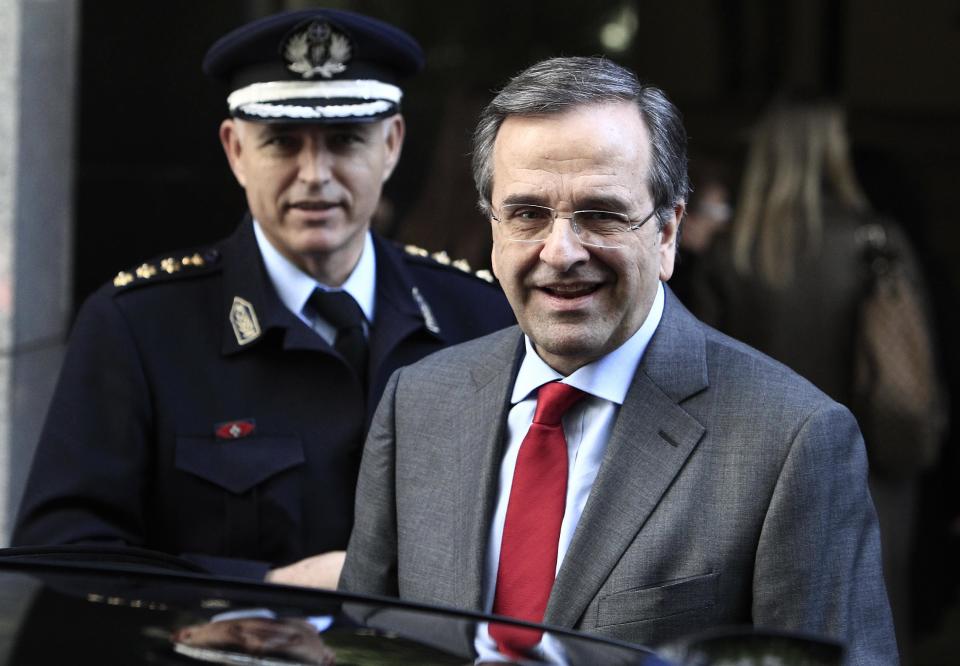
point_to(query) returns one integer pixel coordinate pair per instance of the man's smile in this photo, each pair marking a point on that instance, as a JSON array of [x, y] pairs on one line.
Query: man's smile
[[312, 205], [570, 290]]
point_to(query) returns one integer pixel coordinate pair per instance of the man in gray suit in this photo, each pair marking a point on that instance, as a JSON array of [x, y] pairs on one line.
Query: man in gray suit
[[699, 483]]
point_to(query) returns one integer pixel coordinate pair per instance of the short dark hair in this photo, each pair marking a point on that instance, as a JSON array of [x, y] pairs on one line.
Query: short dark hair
[[559, 84]]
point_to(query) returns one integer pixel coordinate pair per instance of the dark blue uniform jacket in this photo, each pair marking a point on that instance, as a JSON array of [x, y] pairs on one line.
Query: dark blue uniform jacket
[[234, 441]]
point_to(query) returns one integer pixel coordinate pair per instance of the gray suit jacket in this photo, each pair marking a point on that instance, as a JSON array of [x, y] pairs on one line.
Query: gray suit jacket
[[732, 492]]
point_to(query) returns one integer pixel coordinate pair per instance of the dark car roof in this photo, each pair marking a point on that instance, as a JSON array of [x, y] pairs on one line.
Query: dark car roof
[[123, 606], [104, 604]]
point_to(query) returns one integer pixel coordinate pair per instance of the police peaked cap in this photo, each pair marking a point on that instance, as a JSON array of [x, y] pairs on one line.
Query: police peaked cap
[[314, 65]]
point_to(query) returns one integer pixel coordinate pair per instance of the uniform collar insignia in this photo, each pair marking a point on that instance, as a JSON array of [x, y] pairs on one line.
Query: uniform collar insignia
[[317, 48], [428, 319], [243, 318]]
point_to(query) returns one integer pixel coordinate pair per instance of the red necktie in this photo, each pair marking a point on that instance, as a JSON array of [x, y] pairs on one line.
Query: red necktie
[[531, 532]]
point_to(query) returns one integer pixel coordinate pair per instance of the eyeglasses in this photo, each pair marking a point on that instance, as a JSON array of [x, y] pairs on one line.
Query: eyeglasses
[[528, 223]]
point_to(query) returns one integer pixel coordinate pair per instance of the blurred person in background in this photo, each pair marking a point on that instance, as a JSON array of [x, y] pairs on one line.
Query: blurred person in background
[[792, 278], [708, 213]]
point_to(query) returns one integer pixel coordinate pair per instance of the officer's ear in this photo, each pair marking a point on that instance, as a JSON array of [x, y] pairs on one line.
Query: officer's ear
[[393, 132], [230, 139]]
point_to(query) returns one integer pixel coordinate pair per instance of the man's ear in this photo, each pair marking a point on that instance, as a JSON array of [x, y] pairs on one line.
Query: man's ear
[[668, 241], [394, 130], [233, 146]]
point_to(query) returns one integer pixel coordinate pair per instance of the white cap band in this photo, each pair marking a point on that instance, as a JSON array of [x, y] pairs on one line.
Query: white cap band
[[314, 112], [279, 91]]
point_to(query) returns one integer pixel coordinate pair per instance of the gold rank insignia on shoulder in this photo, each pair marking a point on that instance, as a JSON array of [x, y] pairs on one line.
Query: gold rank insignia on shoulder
[[444, 259], [243, 318], [428, 319], [148, 271]]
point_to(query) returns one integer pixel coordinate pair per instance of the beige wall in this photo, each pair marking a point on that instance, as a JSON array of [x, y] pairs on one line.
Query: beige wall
[[37, 73]]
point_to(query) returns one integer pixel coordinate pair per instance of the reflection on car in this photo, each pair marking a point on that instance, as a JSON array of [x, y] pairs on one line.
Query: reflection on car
[[108, 605]]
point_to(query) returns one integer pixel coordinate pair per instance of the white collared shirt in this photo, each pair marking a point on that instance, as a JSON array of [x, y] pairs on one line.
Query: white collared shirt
[[587, 427], [294, 287]]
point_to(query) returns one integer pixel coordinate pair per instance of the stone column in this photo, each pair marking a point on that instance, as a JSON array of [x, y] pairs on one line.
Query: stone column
[[38, 70]]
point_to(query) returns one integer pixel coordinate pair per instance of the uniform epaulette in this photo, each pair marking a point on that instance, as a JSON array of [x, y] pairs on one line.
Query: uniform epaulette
[[443, 259], [169, 266]]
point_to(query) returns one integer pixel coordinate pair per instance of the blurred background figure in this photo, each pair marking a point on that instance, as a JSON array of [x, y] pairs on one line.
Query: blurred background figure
[[793, 277], [708, 212]]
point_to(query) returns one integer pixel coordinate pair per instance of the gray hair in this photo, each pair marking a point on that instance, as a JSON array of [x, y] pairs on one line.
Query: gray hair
[[559, 84]]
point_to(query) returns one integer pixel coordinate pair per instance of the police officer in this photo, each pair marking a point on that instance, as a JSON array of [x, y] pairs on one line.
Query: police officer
[[213, 402]]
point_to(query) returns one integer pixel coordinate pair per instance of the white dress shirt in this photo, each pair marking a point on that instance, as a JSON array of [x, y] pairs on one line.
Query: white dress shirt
[[294, 287], [587, 427]]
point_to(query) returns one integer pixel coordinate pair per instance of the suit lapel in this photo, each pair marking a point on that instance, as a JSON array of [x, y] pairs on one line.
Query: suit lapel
[[483, 423], [651, 440]]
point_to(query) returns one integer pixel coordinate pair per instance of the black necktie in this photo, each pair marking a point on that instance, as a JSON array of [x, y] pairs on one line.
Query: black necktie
[[339, 309]]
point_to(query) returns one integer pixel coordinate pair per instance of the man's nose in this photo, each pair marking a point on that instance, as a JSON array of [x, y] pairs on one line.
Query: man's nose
[[315, 163], [562, 249]]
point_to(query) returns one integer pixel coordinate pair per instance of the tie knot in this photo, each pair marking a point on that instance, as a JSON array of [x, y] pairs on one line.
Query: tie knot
[[553, 401], [337, 307]]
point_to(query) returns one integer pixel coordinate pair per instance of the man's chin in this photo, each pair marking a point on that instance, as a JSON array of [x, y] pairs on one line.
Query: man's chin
[[323, 241], [567, 350]]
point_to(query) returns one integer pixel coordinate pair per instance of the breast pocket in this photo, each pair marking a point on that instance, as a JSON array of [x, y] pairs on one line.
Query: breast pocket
[[658, 601], [240, 498], [238, 465]]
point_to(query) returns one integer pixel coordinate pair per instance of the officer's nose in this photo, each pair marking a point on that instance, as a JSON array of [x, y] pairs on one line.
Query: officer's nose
[[314, 163]]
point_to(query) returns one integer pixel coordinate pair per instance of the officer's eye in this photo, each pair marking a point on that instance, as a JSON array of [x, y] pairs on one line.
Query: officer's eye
[[344, 140], [282, 142]]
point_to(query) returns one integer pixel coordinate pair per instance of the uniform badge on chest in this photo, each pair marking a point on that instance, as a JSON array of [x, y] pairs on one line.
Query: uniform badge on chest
[[243, 318], [235, 429]]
